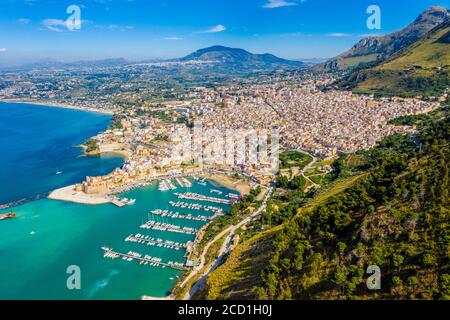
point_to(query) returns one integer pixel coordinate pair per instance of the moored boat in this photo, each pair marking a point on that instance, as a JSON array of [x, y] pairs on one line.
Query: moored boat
[[8, 215]]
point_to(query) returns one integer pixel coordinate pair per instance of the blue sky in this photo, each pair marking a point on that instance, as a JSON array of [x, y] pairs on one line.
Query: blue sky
[[143, 29]]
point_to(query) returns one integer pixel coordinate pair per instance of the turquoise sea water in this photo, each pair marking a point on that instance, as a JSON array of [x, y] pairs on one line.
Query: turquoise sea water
[[47, 236], [38, 141]]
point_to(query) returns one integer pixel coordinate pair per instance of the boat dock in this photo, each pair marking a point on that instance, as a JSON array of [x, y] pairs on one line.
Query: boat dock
[[183, 182], [177, 215], [193, 206], [167, 227], [201, 197], [122, 202], [165, 185], [150, 241], [146, 260]]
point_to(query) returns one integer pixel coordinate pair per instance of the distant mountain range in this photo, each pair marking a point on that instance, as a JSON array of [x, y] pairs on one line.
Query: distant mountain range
[[50, 63], [372, 49], [217, 59]]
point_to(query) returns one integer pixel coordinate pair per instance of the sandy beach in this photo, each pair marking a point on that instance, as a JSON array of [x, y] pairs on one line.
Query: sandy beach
[[240, 185], [57, 105], [69, 194]]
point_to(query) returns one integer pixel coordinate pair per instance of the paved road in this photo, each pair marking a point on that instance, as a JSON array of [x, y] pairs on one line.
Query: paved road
[[223, 250], [309, 165]]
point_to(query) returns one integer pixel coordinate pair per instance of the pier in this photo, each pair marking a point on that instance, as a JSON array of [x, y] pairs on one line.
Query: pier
[[146, 260], [150, 241], [200, 197], [193, 206], [183, 182], [167, 227], [177, 215], [165, 185]]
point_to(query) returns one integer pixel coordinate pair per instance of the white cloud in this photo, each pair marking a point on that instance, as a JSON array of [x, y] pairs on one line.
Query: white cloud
[[116, 27], [279, 3], [58, 25], [339, 35], [55, 25], [215, 29], [173, 38], [23, 21], [3, 50], [367, 35]]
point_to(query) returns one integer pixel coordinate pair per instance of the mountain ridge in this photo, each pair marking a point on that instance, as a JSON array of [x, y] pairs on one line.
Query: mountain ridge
[[420, 69], [373, 49], [238, 57]]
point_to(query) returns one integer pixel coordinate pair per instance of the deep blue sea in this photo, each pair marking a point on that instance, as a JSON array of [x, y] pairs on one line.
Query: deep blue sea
[[36, 142]]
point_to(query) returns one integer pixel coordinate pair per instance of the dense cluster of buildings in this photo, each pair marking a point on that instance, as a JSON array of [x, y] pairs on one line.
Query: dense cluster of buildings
[[322, 123], [150, 113]]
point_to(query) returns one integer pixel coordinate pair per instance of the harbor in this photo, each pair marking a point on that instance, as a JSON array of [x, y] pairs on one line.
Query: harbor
[[164, 230]]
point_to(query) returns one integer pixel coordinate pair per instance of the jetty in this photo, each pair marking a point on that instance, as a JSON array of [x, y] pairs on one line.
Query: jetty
[[183, 182], [177, 215], [122, 202], [201, 197], [150, 241], [165, 185], [193, 206], [145, 260], [160, 226]]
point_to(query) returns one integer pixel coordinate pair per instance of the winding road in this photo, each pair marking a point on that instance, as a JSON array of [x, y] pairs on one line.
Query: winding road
[[223, 250]]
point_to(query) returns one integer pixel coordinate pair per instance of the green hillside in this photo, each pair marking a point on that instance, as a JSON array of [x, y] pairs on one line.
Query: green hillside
[[387, 206], [419, 70]]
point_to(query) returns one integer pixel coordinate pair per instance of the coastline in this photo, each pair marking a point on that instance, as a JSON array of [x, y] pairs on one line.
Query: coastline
[[69, 194], [57, 105]]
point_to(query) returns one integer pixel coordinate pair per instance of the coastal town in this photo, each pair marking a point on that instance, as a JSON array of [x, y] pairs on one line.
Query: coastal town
[[146, 130]]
